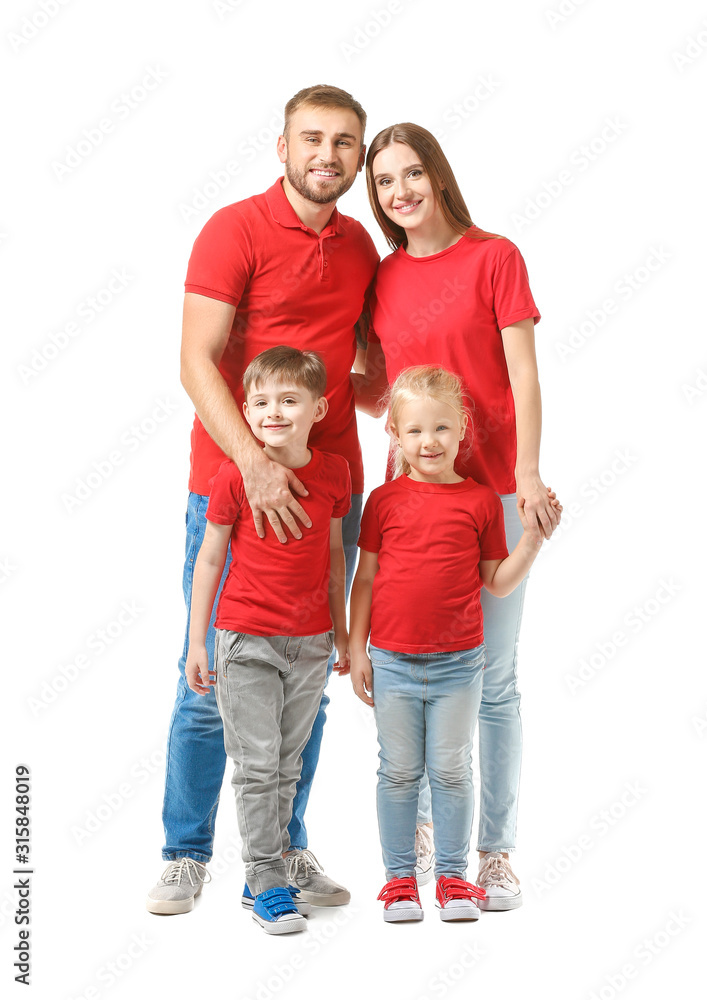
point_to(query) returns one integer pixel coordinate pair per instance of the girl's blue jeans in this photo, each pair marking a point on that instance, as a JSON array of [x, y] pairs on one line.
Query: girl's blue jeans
[[425, 706]]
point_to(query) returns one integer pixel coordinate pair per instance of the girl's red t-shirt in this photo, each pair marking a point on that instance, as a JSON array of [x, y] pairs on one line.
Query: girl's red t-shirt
[[430, 539]]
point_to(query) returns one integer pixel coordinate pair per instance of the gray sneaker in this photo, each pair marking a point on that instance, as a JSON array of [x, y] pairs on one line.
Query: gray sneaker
[[424, 853], [179, 884], [304, 871]]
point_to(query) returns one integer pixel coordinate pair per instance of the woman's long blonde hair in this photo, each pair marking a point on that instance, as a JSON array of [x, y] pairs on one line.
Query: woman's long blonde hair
[[424, 382], [441, 177]]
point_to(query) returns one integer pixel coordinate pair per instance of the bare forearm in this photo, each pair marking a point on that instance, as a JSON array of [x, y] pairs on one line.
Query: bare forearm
[[512, 571], [337, 590], [528, 407], [218, 410], [360, 625], [207, 575], [367, 395]]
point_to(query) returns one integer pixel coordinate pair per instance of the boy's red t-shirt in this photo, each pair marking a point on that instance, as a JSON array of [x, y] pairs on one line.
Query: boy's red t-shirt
[[291, 286], [274, 588], [448, 309], [430, 538]]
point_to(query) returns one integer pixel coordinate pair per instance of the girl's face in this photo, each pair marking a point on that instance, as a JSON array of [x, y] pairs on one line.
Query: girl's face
[[403, 187], [429, 433]]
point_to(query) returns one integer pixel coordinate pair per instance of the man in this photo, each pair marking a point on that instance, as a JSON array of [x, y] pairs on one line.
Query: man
[[283, 267]]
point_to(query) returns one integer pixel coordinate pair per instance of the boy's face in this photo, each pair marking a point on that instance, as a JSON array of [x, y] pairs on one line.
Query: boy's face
[[281, 415]]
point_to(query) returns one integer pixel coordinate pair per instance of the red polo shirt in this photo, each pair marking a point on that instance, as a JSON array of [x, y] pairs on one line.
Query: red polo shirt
[[290, 285]]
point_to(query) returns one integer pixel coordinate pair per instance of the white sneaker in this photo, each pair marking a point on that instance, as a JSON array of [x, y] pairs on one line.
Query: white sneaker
[[497, 879], [425, 851], [179, 884]]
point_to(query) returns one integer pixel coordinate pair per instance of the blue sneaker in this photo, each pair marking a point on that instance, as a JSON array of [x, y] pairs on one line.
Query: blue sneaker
[[276, 912], [247, 899]]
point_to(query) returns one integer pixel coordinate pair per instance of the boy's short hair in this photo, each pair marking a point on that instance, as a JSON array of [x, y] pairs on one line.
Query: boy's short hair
[[323, 95], [287, 364]]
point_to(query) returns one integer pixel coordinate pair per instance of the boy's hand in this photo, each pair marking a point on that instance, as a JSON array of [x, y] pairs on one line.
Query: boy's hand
[[199, 678], [362, 677], [341, 644]]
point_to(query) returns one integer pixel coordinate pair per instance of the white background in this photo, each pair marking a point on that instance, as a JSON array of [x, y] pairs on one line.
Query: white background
[[612, 790]]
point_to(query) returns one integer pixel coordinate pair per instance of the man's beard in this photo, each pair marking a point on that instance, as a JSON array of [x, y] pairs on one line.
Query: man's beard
[[300, 182]]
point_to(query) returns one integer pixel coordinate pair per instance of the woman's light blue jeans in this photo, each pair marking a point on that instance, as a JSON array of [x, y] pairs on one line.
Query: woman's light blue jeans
[[500, 734], [425, 707], [196, 758]]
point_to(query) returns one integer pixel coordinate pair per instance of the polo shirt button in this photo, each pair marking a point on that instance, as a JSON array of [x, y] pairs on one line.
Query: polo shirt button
[[326, 264]]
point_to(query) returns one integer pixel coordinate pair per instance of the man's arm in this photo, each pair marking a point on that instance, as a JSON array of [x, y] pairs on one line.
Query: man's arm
[[206, 328], [370, 388]]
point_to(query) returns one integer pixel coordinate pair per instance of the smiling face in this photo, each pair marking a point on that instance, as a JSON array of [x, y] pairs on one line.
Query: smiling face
[[429, 433], [281, 415], [404, 190], [322, 152]]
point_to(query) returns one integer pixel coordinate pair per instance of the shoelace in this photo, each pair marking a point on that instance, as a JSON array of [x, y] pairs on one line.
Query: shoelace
[[301, 864], [399, 888], [424, 843], [184, 869], [457, 888], [496, 871]]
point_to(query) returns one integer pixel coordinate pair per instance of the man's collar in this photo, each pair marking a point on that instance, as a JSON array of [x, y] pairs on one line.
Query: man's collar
[[284, 214]]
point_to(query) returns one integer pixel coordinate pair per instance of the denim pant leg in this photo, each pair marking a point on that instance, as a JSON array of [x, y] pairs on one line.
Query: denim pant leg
[[268, 690], [399, 709], [310, 757], [500, 735], [454, 682], [196, 758]]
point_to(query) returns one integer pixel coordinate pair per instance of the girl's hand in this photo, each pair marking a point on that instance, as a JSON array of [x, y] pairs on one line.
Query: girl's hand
[[539, 504], [362, 677], [341, 644], [199, 678]]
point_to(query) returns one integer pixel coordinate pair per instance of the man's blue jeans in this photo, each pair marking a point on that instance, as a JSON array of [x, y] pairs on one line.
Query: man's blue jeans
[[196, 758]]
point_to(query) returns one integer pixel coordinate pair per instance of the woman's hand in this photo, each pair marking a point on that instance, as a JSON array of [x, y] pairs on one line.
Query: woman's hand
[[540, 506]]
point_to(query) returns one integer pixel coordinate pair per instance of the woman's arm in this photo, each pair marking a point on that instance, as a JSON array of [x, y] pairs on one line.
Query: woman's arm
[[337, 595], [207, 574], [361, 595], [370, 388], [519, 349]]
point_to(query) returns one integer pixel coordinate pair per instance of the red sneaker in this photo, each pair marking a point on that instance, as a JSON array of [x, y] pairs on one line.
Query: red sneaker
[[402, 900], [455, 898]]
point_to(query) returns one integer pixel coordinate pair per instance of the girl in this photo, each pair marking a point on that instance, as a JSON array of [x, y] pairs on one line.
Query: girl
[[429, 539], [454, 295]]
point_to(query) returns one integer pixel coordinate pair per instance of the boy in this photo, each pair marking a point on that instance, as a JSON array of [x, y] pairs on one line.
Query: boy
[[274, 620]]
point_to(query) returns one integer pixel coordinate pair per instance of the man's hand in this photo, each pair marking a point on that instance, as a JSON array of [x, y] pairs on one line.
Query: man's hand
[[362, 677], [199, 678], [267, 486]]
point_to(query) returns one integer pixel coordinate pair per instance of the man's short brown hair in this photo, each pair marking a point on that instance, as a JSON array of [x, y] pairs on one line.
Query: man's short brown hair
[[304, 369], [321, 95]]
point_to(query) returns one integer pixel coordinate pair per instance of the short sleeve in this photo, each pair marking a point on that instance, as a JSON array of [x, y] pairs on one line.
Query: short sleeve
[[492, 538], [370, 535], [343, 494], [226, 496], [220, 262], [512, 298]]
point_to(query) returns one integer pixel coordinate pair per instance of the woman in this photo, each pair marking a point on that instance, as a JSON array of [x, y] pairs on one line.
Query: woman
[[455, 296]]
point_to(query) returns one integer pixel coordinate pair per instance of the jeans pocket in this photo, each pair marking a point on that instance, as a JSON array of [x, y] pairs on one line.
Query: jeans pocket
[[470, 657], [330, 639], [380, 657], [227, 647]]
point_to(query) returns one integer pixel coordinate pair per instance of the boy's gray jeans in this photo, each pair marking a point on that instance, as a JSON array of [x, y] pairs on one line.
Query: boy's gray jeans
[[268, 690]]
